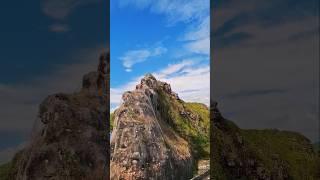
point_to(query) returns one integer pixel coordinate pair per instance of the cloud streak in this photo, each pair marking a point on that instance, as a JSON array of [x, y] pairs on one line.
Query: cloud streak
[[175, 10], [132, 57], [194, 13], [59, 28], [198, 37], [60, 10]]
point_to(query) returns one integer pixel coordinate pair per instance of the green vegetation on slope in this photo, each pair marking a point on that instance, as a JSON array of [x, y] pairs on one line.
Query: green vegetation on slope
[[276, 153], [222, 143], [290, 147], [190, 120]]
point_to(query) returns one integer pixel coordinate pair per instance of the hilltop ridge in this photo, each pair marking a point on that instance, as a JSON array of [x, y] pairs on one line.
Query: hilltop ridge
[[157, 135]]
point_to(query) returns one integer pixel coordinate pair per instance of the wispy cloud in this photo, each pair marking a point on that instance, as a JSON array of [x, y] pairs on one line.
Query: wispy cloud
[[59, 28], [60, 10], [194, 13], [198, 37], [192, 83], [175, 10], [248, 23], [132, 57]]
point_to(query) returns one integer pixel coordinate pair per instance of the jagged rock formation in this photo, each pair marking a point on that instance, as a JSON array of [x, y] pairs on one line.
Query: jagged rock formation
[[150, 138], [73, 142], [259, 154]]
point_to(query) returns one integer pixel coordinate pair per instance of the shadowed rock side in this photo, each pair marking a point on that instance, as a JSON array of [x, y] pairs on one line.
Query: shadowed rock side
[[145, 143], [259, 154], [72, 144]]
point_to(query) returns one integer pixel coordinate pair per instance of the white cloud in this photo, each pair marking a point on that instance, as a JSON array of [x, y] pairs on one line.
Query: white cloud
[[198, 37], [116, 93], [175, 10], [132, 57], [194, 13], [172, 68], [191, 82], [200, 31], [189, 78], [201, 46], [60, 9], [59, 28]]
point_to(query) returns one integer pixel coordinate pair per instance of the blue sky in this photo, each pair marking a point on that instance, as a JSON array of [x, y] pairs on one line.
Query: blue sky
[[169, 39]]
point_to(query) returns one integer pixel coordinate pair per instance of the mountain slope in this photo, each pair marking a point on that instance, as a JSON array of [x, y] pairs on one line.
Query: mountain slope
[[259, 154], [156, 135]]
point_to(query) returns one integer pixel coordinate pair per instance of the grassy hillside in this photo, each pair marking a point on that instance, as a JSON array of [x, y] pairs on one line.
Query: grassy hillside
[[190, 120], [290, 147], [272, 152], [222, 146]]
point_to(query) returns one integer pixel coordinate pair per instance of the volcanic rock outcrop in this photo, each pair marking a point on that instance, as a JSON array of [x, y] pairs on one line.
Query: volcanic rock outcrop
[[147, 141], [73, 141]]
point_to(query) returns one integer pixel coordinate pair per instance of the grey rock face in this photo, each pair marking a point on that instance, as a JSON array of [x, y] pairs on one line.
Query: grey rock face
[[143, 146], [72, 143]]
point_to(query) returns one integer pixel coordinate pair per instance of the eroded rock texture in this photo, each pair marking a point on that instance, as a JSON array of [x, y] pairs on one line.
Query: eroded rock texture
[[143, 145], [73, 141]]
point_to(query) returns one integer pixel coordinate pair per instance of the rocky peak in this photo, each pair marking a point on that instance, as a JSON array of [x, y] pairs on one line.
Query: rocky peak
[[151, 83], [72, 142], [143, 146]]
